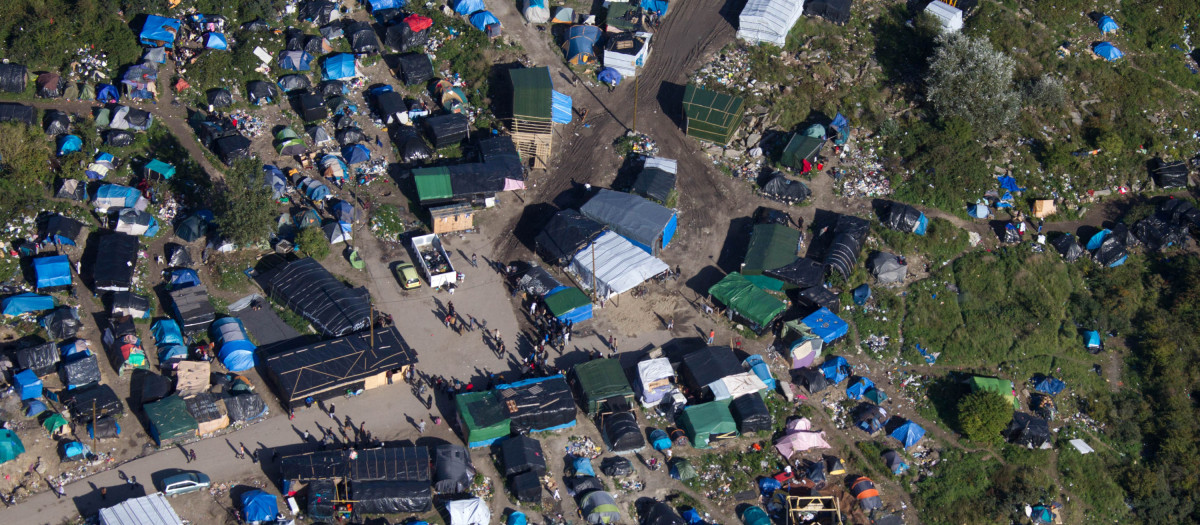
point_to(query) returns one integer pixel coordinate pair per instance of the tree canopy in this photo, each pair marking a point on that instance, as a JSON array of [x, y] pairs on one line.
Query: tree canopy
[[983, 415], [970, 80], [245, 211], [312, 241]]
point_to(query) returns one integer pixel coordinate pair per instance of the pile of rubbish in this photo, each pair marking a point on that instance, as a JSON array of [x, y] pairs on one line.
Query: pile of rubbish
[[168, 210], [582, 447], [249, 125], [730, 68], [371, 170], [641, 144], [483, 489], [90, 65], [861, 172]]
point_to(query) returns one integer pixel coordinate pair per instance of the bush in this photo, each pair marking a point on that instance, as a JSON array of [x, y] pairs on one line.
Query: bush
[[246, 212], [312, 241], [970, 80], [983, 415]]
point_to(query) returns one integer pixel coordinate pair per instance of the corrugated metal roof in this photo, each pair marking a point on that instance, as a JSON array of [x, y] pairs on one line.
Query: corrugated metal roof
[[148, 510]]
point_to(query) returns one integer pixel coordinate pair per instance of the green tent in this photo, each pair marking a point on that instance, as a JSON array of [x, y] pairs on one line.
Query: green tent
[[103, 117], [707, 423], [532, 93], [798, 149], [484, 421], [170, 420], [749, 301], [682, 469], [771, 246], [561, 302], [753, 515], [711, 116], [10, 446], [287, 142], [163, 169], [1003, 387], [432, 184], [600, 380], [53, 422]]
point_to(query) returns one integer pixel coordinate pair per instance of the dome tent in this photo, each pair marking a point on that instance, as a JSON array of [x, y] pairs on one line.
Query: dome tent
[[236, 351], [535, 11], [220, 97]]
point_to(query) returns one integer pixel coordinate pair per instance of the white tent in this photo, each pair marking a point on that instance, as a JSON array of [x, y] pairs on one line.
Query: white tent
[[655, 377], [147, 510], [335, 233], [736, 385], [950, 17], [535, 11], [472, 511], [614, 264], [768, 20]]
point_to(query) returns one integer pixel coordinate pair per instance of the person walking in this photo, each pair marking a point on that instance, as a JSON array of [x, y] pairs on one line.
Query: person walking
[[104, 493], [474, 261], [192, 454], [670, 324], [331, 416], [305, 436], [292, 413], [497, 336], [241, 454], [712, 334], [421, 426]]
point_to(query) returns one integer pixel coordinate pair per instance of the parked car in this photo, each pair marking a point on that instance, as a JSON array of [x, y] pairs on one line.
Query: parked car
[[406, 275], [184, 483]]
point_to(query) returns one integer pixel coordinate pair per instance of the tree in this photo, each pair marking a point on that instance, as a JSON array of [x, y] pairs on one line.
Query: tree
[[983, 415], [969, 79], [312, 241], [245, 211]]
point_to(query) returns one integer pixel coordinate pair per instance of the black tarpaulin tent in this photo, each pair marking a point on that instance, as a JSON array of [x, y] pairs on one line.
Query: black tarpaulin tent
[[415, 68], [660, 513], [390, 106], [118, 138], [500, 153], [80, 370], [1169, 174], [13, 77], [821, 297], [887, 268], [786, 190], [94, 401], [178, 255], [62, 323], [1179, 210], [706, 365], [803, 273], [330, 368], [192, 308], [535, 405], [1067, 247], [55, 122], [129, 304], [18, 113], [245, 407], [751, 414], [155, 387], [452, 469], [411, 147], [104, 428], [60, 229], [447, 130], [261, 92], [902, 217], [849, 235], [1027, 430], [1157, 233], [391, 497], [410, 33], [320, 498], [350, 136], [527, 487], [836, 11], [654, 183], [290, 83], [231, 148], [621, 432], [521, 454], [50, 85], [331, 88], [115, 261], [311, 107], [812, 379], [567, 232], [42, 359], [537, 281], [220, 98], [72, 189], [372, 464], [311, 291], [616, 466], [363, 39]]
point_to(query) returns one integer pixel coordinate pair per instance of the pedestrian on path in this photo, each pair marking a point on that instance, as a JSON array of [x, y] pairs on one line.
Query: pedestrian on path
[[104, 493], [292, 413], [333, 417], [421, 426], [557, 497], [670, 324], [241, 454], [474, 261], [192, 454], [471, 322], [60, 489], [497, 336], [306, 436], [712, 334]]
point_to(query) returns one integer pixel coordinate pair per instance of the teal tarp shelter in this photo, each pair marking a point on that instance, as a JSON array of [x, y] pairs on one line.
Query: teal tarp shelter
[[53, 271], [580, 45], [466, 7], [10, 446], [25, 303], [68, 144], [747, 300], [216, 41], [340, 66], [160, 168], [1092, 339]]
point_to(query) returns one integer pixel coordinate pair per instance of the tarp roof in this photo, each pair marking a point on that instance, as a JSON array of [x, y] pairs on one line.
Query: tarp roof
[[771, 246], [170, 419], [710, 364], [338, 363], [159, 31], [483, 419], [52, 271], [601, 379], [615, 265], [826, 325], [314, 293], [747, 300], [565, 233], [539, 404], [532, 89], [751, 413], [710, 115], [146, 510], [768, 20], [631, 216], [654, 183], [1003, 387], [521, 454], [472, 511], [706, 422]]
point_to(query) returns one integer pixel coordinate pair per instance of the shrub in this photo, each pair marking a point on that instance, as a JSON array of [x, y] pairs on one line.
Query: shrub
[[312, 241], [970, 80], [983, 415]]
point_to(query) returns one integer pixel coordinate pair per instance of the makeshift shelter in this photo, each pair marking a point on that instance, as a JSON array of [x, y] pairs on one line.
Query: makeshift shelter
[[1107, 250], [908, 434], [260, 92], [1003, 387], [1169, 174], [751, 414], [786, 190], [522, 454], [41, 359], [235, 351], [569, 305], [13, 78], [803, 273], [27, 384], [362, 37], [328, 369], [62, 323], [538, 405], [609, 76], [487, 22], [391, 496], [191, 307], [617, 466], [122, 339], [612, 265], [836, 369], [483, 420], [208, 411], [565, 234], [535, 11], [579, 44], [887, 268], [735, 385], [141, 81], [748, 301], [648, 225], [24, 303], [904, 218], [104, 428], [620, 429], [834, 11], [474, 511], [858, 387], [232, 148], [705, 366], [1028, 431], [339, 66], [949, 18], [245, 407], [52, 271], [600, 381], [159, 31], [1107, 24], [599, 507], [711, 116], [1067, 247], [311, 291], [127, 303], [55, 122], [1048, 385], [812, 379], [799, 436], [17, 113], [656, 380], [447, 130], [409, 34], [110, 197], [415, 68], [295, 60], [707, 423], [849, 235], [771, 246], [170, 421], [259, 507], [768, 21], [136, 222], [453, 471]]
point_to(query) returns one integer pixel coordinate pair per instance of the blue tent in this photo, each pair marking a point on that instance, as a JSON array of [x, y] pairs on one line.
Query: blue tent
[[259, 506], [858, 388], [1009, 183], [169, 352], [768, 486], [580, 46], [184, 278], [78, 346], [73, 449], [26, 302], [355, 154], [52, 271], [116, 193], [659, 440], [836, 369], [159, 31], [216, 41], [583, 466], [658, 7], [1091, 339], [103, 162], [861, 294], [908, 434], [609, 76], [107, 93], [466, 7], [28, 384], [517, 517], [756, 364], [379, 5], [69, 144], [295, 60], [236, 351], [826, 325], [692, 517], [482, 20], [1107, 24], [1049, 386], [166, 332], [34, 407], [340, 66], [1107, 51], [922, 225], [979, 211], [560, 108]]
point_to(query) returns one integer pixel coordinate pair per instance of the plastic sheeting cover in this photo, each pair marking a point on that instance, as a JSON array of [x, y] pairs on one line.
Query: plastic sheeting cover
[[565, 233], [618, 265], [634, 217]]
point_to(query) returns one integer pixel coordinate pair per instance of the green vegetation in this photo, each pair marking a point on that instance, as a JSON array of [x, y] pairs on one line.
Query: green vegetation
[[942, 241], [983, 415], [312, 242], [974, 488], [940, 166], [968, 79], [228, 270], [48, 33], [386, 222], [245, 211], [23, 174]]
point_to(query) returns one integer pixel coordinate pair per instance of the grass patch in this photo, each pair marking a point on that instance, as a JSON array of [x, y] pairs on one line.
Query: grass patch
[[942, 241], [386, 222], [1091, 477], [228, 271], [879, 317]]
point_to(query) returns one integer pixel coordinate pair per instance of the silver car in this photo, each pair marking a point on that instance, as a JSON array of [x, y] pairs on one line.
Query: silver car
[[184, 483]]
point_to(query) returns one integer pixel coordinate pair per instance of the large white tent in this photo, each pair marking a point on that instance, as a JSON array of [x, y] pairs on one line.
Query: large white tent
[[768, 20], [472, 511], [614, 265]]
